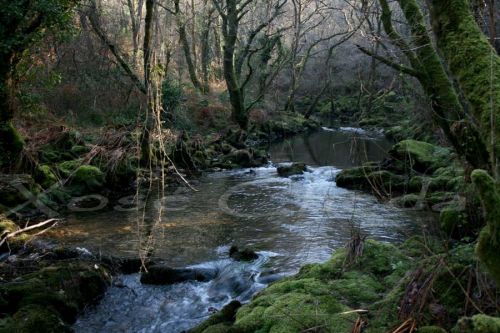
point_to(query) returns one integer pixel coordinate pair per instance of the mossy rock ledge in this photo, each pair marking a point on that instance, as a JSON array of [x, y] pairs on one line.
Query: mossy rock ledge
[[50, 299], [414, 173]]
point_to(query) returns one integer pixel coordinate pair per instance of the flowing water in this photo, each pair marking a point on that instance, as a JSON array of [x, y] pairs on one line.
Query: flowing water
[[289, 221]]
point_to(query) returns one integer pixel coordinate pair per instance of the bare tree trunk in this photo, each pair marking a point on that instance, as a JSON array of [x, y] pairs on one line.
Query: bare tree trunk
[[181, 25], [230, 23], [148, 53], [205, 46]]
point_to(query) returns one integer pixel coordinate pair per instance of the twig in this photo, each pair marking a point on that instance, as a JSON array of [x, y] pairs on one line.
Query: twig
[[23, 230]]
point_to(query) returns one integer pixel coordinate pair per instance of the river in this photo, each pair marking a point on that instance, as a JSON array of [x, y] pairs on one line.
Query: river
[[288, 221]]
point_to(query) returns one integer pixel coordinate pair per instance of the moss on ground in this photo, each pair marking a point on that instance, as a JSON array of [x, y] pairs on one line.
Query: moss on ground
[[323, 296]]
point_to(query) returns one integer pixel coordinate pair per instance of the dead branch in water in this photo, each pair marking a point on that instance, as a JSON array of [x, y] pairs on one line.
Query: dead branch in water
[[51, 223]]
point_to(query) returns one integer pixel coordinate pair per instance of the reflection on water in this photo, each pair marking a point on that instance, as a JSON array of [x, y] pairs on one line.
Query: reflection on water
[[289, 221], [343, 148]]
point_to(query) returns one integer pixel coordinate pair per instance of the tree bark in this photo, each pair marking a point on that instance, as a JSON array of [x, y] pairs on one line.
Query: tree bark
[[448, 112], [230, 23], [146, 152], [474, 64]]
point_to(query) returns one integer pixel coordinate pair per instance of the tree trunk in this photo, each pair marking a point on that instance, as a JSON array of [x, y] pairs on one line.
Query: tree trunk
[[147, 50], [448, 111], [181, 25], [11, 143], [476, 66], [236, 95]]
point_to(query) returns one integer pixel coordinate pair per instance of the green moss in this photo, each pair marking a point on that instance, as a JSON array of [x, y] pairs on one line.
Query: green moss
[[460, 40], [294, 311], [219, 322], [431, 329], [421, 156], [89, 175], [64, 289], [68, 167], [44, 176], [79, 150], [34, 318], [368, 178], [407, 201], [11, 145], [478, 324], [356, 289], [294, 169], [83, 179], [488, 245], [7, 226], [453, 220], [434, 198], [420, 246]]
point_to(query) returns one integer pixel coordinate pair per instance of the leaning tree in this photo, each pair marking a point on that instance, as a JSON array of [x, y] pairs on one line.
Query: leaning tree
[[460, 72]]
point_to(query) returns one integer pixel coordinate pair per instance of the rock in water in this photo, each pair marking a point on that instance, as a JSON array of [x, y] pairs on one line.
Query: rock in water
[[294, 169], [164, 275], [243, 255]]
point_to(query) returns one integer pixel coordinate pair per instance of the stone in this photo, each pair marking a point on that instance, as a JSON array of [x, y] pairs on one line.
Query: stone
[[291, 170], [164, 275]]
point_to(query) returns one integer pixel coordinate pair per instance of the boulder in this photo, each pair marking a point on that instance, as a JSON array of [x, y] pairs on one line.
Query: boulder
[[243, 255], [164, 275], [223, 318], [49, 300], [421, 156], [291, 170]]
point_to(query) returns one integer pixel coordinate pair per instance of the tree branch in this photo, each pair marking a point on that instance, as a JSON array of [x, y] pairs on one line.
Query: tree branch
[[385, 61]]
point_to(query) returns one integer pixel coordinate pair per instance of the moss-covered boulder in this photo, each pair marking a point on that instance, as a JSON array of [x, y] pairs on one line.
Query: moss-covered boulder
[[371, 179], [221, 321], [34, 318], [11, 145], [50, 299], [7, 226], [81, 179], [44, 176], [66, 144], [421, 156], [16, 189], [291, 170], [478, 324]]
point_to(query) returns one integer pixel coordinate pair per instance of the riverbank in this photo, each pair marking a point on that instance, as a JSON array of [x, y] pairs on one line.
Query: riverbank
[[373, 287]]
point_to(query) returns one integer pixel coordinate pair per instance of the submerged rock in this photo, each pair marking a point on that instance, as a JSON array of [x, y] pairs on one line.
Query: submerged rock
[[164, 275], [291, 170], [243, 255]]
